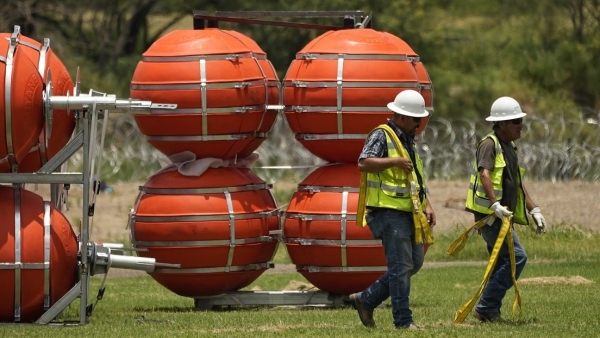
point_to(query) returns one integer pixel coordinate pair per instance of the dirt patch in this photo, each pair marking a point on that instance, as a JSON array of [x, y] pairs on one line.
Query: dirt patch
[[573, 280]]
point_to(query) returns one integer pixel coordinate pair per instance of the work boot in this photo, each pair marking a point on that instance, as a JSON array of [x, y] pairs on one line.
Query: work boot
[[488, 317], [365, 315]]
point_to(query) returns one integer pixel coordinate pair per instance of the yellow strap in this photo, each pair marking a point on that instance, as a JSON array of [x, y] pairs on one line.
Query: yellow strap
[[505, 230], [361, 219], [461, 241], [422, 228]]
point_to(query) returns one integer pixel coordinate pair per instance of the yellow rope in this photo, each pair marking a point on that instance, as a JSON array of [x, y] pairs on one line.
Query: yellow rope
[[505, 232]]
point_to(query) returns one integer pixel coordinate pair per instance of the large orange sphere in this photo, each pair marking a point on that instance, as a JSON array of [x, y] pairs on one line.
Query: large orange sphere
[[63, 122], [21, 112], [322, 237], [216, 226], [338, 87], [40, 252], [221, 83]]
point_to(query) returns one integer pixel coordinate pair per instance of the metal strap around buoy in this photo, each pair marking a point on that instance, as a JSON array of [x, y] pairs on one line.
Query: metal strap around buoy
[[131, 219], [313, 137], [315, 241], [17, 199], [327, 109], [230, 137], [203, 96], [352, 84], [239, 241], [317, 217], [319, 188], [339, 85], [47, 227], [42, 58], [199, 86], [312, 268], [194, 58], [343, 229], [7, 98], [376, 57], [202, 218], [266, 89], [194, 191], [231, 229], [211, 111], [235, 268]]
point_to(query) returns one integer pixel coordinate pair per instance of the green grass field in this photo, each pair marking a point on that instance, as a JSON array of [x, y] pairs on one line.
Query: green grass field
[[560, 288]]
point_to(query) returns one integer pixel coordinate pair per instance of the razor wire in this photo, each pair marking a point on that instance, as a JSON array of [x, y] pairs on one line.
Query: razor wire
[[549, 149]]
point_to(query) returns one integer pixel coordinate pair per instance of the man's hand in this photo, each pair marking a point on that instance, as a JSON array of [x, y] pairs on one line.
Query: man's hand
[[430, 215], [404, 163], [499, 210], [539, 220]]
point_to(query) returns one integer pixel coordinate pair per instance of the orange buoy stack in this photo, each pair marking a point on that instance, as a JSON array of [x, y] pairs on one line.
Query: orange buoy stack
[[221, 83], [38, 255], [21, 108], [216, 217], [335, 92]]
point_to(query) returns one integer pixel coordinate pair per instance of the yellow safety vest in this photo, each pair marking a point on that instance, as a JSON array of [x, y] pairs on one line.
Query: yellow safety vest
[[390, 188], [478, 201]]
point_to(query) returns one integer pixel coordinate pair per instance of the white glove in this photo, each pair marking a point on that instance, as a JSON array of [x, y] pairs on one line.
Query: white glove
[[539, 219], [499, 210]]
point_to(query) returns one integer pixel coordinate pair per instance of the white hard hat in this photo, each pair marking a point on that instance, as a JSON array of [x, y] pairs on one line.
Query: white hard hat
[[505, 108], [409, 102]]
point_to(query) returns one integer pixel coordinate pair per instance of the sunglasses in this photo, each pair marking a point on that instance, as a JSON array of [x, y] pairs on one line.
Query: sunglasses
[[417, 119], [516, 121]]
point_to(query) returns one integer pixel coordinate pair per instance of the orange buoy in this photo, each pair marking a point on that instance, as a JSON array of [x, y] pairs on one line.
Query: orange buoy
[[38, 255], [321, 235], [216, 226], [63, 122], [221, 88], [338, 87], [21, 89]]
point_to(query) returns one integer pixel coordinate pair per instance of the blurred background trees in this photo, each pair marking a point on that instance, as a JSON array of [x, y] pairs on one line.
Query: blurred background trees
[[545, 54]]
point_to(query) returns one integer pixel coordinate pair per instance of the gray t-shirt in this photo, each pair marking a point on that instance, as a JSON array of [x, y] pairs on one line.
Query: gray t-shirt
[[486, 155]]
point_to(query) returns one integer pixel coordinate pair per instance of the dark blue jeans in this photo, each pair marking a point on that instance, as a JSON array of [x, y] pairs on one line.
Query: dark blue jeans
[[404, 258], [500, 280]]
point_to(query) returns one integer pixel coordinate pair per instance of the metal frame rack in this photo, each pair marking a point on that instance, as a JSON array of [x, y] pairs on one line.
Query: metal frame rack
[[92, 258]]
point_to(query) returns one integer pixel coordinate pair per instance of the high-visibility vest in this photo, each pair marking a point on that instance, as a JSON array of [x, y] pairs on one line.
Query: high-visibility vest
[[390, 188], [477, 199]]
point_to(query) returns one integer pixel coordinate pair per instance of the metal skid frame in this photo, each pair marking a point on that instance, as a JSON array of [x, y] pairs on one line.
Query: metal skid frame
[[47, 175]]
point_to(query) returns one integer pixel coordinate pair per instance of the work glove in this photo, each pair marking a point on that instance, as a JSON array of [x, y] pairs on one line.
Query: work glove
[[500, 211], [539, 220]]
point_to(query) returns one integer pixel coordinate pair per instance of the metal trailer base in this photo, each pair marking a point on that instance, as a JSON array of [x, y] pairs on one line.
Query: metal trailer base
[[272, 298]]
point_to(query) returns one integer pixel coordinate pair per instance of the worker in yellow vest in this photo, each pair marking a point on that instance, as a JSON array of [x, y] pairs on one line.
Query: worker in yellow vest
[[389, 207], [496, 187]]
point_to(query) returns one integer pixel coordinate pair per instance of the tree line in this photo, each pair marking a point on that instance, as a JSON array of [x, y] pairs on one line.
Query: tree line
[[543, 53]]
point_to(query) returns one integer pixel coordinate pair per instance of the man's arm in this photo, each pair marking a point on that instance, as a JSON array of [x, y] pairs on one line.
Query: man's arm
[[377, 164], [488, 187]]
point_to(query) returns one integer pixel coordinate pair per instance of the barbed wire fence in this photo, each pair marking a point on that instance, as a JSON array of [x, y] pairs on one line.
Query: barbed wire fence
[[550, 150]]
